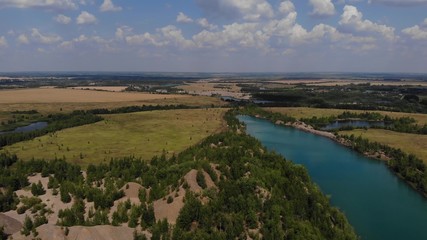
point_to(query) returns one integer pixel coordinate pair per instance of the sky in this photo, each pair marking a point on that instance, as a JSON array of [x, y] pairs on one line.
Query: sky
[[214, 35]]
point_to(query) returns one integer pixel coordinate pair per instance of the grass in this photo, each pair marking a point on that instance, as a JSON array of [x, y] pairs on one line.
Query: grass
[[409, 143], [143, 134], [304, 112], [46, 108]]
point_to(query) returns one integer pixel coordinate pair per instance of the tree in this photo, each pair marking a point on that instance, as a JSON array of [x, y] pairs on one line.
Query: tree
[[28, 226], [37, 189], [200, 178], [148, 219]]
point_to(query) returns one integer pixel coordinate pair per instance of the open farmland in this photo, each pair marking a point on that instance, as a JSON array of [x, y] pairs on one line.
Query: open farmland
[[205, 88], [303, 112], [409, 143], [49, 100], [60, 95], [344, 82], [143, 134], [101, 88]]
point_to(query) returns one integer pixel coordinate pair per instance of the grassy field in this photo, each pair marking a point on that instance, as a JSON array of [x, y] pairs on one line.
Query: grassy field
[[409, 143], [209, 88], [51, 100], [143, 134], [61, 95], [320, 112]]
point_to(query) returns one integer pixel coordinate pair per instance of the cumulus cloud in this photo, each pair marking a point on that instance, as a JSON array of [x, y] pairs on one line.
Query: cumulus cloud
[[233, 35], [286, 7], [44, 38], [400, 3], [62, 19], [173, 35], [182, 18], [88, 42], [23, 39], [269, 36], [322, 8], [144, 39], [204, 23], [3, 42], [417, 32], [86, 18], [47, 4], [108, 6], [251, 10], [123, 31], [352, 21], [165, 36]]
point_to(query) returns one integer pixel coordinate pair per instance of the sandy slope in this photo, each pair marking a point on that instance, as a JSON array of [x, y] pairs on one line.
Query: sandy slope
[[51, 232]]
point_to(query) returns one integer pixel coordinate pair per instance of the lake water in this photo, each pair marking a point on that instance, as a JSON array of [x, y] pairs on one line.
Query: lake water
[[377, 203], [28, 128], [353, 123]]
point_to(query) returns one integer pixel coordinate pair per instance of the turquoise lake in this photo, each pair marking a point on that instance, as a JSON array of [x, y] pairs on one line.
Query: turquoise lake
[[377, 203]]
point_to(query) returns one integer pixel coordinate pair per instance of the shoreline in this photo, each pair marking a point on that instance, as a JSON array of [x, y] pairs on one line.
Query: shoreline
[[347, 143]]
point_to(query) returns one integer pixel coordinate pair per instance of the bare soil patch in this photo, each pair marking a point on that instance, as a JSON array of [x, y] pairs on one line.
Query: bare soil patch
[[52, 232], [10, 224]]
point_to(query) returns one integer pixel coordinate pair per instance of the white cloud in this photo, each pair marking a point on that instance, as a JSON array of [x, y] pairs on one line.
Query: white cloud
[[45, 39], [352, 20], [62, 19], [245, 35], [86, 18], [286, 7], [166, 36], [400, 3], [123, 31], [108, 6], [174, 36], [144, 39], [322, 8], [3, 42], [47, 4], [88, 42], [250, 10], [182, 18], [204, 23], [417, 32], [23, 39]]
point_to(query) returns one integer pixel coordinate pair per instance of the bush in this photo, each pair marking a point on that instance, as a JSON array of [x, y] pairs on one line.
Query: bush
[[200, 178]]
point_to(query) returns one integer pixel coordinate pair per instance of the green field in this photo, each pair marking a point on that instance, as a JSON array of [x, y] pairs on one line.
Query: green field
[[409, 143], [304, 112], [143, 134]]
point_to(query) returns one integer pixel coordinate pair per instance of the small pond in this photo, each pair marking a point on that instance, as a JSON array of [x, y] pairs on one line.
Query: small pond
[[28, 128], [353, 123]]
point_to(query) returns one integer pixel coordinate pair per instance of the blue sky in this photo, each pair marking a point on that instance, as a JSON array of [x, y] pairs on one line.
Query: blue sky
[[214, 35]]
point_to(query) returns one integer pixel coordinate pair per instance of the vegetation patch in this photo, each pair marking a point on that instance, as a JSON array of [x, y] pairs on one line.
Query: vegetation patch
[[143, 134], [411, 143], [304, 112]]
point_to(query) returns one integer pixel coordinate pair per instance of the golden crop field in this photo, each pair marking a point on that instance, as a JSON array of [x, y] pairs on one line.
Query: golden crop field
[[49, 100]]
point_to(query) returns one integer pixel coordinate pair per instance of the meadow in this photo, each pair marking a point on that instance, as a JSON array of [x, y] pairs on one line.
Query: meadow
[[304, 112], [409, 143], [142, 134], [52, 100]]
